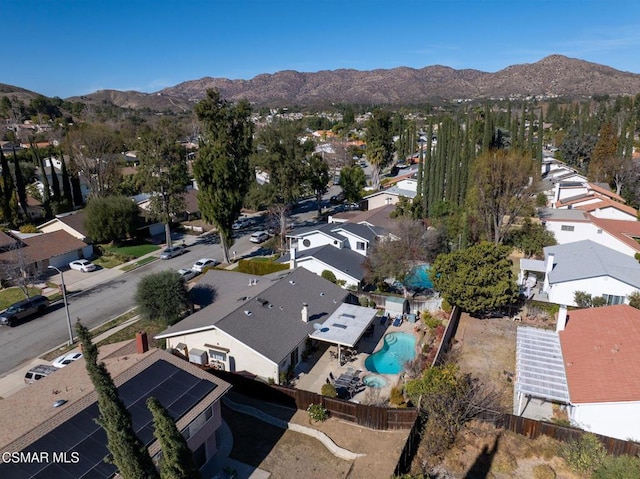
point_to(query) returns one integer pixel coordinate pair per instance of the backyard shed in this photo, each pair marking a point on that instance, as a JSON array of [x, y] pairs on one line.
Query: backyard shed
[[395, 306]]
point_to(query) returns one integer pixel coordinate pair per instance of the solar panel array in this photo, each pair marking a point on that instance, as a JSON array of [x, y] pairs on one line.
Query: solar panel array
[[177, 390], [540, 369]]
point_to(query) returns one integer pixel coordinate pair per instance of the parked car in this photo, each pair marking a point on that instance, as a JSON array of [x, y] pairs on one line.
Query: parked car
[[172, 252], [241, 223], [200, 265], [38, 372], [259, 237], [35, 305], [82, 265], [337, 199], [66, 359], [187, 274]]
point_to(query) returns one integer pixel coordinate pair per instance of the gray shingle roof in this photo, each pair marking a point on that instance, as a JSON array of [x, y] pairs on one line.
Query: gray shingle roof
[[274, 326], [587, 259], [341, 259], [366, 232], [558, 214]]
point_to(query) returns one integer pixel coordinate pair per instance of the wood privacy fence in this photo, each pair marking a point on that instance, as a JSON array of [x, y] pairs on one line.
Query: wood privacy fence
[[533, 428], [447, 337], [373, 417]]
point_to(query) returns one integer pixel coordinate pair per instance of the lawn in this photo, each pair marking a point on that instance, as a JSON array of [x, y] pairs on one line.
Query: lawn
[[150, 327], [107, 261], [9, 296], [132, 250], [137, 264]]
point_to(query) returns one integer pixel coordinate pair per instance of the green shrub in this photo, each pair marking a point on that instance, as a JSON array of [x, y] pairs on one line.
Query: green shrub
[[429, 321], [259, 268], [29, 228], [328, 275], [364, 301], [372, 303], [329, 390], [585, 454], [621, 467], [317, 413], [396, 397]]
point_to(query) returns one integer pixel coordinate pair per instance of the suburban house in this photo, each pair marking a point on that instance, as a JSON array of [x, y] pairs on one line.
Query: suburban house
[[582, 266], [72, 223], [407, 187], [337, 247], [589, 364], [69, 430], [575, 194], [36, 252], [600, 349], [569, 226], [259, 325], [380, 217]]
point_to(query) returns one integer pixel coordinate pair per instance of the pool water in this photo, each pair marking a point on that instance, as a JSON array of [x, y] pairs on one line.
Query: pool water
[[374, 381], [418, 278], [398, 349]]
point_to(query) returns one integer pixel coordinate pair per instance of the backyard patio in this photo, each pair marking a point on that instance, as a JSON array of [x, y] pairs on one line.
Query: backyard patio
[[324, 366]]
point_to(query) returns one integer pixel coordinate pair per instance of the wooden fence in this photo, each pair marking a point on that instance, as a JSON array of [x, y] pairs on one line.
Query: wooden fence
[[373, 417], [447, 337], [533, 429]]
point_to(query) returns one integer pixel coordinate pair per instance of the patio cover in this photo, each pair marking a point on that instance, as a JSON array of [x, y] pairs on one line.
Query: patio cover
[[540, 369], [536, 265], [345, 326]]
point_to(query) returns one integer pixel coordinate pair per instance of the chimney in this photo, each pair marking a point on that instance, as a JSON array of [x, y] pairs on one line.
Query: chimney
[[549, 263], [562, 318], [292, 261], [142, 343], [305, 313]]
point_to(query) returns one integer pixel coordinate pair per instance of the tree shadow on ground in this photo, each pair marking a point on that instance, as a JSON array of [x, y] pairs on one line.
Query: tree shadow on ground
[[482, 465]]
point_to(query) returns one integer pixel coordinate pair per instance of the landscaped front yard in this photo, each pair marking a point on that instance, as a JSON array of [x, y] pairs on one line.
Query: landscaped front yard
[[8, 296], [116, 255]]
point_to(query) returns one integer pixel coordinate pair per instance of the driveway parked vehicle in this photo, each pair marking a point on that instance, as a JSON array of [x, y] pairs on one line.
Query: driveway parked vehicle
[[241, 223], [200, 265], [82, 265], [35, 305], [172, 252], [38, 372], [337, 199], [259, 237], [66, 359], [187, 274]]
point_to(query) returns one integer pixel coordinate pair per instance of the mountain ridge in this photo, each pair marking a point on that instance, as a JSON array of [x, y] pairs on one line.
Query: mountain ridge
[[554, 75]]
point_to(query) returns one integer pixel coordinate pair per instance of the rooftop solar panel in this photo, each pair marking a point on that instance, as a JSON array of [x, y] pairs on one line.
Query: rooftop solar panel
[[176, 389]]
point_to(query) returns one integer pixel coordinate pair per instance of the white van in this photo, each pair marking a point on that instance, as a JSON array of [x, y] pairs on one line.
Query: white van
[[259, 237]]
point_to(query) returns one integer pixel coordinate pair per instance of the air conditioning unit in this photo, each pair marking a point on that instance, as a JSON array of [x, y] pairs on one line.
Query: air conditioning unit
[[198, 356]]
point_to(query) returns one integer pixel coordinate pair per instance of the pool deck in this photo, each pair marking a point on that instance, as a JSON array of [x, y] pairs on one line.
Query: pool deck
[[313, 374]]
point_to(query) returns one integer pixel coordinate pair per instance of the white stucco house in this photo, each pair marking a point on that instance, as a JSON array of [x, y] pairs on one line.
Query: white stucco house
[[569, 226], [584, 266], [338, 247], [589, 365], [600, 349], [257, 325]]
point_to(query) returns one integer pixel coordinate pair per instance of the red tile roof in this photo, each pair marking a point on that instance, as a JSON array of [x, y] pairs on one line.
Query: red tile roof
[[601, 352], [623, 230], [605, 192], [607, 203]]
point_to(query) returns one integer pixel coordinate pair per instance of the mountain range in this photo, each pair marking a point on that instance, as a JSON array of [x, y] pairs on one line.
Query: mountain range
[[555, 75]]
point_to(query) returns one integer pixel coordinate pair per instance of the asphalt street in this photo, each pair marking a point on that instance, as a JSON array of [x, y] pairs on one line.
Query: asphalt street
[[113, 296]]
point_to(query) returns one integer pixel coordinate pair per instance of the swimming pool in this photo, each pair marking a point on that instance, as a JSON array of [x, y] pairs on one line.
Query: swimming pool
[[418, 278], [374, 381], [398, 349]]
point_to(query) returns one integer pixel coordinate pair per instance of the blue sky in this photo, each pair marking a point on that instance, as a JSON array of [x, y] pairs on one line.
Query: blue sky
[[65, 48]]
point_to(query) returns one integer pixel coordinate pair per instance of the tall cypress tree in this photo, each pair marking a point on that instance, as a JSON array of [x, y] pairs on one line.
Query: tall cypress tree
[[21, 188], [177, 459], [67, 196], [46, 191], [55, 182], [9, 213], [128, 453]]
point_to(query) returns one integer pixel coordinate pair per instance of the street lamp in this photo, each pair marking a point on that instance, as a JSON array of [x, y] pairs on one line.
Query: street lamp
[[66, 305]]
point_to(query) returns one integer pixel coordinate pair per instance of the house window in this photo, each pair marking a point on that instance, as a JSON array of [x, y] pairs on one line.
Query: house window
[[293, 360], [217, 356], [360, 245], [612, 299], [567, 228]]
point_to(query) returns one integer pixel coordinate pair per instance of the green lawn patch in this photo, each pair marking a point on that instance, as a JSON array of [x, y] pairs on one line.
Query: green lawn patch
[[9, 296], [137, 264], [107, 261], [150, 327], [132, 250], [259, 268]]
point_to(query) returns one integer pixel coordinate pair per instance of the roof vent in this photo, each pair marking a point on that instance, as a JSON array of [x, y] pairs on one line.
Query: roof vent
[[322, 293], [270, 305], [247, 313], [292, 281], [262, 301]]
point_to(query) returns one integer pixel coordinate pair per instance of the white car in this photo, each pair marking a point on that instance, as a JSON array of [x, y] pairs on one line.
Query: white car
[[203, 263], [259, 237], [187, 274], [241, 223], [66, 359], [82, 265]]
